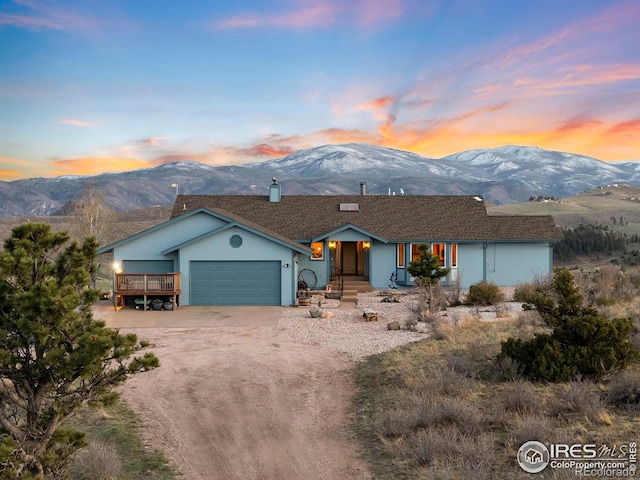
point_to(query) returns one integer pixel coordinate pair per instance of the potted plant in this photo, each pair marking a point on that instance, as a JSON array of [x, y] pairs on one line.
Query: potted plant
[[157, 304], [168, 305], [304, 297]]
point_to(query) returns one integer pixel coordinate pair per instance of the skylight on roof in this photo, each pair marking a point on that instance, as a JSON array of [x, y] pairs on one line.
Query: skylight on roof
[[349, 207]]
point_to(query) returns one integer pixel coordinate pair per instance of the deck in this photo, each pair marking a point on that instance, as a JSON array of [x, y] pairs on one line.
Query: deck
[[146, 286]]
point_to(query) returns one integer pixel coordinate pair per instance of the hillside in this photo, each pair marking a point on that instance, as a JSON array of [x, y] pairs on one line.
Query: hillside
[[127, 223], [596, 206]]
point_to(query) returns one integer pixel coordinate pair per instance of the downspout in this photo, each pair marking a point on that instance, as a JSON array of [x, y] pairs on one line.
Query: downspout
[[294, 279], [484, 260]]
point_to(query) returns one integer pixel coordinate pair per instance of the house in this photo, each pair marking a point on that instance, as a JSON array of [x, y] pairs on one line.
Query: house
[[253, 250]]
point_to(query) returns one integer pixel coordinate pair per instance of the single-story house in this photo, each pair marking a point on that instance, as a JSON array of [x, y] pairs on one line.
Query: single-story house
[[253, 250]]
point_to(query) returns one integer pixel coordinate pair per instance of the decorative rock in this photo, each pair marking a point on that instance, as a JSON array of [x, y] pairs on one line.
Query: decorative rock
[[391, 299], [327, 315], [370, 315], [316, 312], [393, 326], [317, 300]]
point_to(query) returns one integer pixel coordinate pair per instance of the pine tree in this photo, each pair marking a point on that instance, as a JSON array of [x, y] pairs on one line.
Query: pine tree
[[583, 342], [54, 356], [427, 271]]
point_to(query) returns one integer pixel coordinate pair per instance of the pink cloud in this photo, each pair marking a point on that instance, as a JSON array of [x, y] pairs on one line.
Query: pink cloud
[[77, 123], [320, 13], [323, 13], [51, 15]]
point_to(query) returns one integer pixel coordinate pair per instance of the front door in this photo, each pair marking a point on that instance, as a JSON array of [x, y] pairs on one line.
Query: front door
[[349, 258]]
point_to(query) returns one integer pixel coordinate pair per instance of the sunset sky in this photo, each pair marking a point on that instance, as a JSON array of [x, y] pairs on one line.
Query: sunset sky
[[89, 86]]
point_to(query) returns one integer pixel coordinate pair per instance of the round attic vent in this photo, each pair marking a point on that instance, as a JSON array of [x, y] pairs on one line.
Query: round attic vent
[[235, 241]]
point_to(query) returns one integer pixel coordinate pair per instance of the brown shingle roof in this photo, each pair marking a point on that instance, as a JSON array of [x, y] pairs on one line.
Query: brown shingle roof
[[411, 217], [524, 227]]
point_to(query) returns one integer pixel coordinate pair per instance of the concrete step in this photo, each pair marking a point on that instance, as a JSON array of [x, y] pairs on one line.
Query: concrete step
[[349, 296], [359, 285]]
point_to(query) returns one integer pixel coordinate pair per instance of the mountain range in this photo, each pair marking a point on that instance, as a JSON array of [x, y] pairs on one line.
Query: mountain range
[[501, 175]]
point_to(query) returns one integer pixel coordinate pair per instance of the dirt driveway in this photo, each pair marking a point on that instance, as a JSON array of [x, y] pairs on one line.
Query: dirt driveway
[[234, 400]]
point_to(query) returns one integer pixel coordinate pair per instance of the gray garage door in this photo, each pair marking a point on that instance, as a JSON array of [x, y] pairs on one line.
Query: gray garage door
[[235, 283]]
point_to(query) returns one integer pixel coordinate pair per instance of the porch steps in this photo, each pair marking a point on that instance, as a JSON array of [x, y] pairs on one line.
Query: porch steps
[[352, 285], [349, 296]]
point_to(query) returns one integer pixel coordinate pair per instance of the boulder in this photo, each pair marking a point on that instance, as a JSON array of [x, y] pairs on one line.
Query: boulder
[[393, 326], [370, 315], [316, 312]]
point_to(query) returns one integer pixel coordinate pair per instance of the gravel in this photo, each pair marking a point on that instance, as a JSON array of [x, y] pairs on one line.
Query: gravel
[[345, 330]]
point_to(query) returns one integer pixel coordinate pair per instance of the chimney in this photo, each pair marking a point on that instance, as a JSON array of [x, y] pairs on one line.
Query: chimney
[[363, 188], [274, 191]]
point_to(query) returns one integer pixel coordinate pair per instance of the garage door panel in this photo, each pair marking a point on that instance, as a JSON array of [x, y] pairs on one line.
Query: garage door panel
[[235, 283]]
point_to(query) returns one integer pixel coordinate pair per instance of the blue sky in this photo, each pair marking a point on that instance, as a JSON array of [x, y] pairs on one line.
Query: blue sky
[[93, 86]]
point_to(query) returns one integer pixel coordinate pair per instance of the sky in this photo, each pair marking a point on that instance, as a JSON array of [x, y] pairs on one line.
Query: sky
[[92, 86]]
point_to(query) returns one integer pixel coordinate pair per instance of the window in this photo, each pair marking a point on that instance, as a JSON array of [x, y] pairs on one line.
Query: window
[[318, 251], [437, 249], [454, 255], [401, 255], [415, 251]]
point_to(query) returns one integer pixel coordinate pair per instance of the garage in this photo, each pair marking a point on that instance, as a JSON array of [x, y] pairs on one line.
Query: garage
[[235, 283]]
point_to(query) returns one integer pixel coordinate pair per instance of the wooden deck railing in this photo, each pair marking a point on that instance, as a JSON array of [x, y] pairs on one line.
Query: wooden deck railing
[[132, 283], [147, 286]]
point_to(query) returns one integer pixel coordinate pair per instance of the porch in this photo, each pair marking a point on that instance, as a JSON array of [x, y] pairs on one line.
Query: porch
[[145, 286]]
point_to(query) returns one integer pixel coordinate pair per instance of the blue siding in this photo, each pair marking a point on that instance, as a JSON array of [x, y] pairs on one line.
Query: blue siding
[[382, 257], [148, 247], [148, 266], [517, 263], [254, 248], [319, 267], [349, 235], [470, 263]]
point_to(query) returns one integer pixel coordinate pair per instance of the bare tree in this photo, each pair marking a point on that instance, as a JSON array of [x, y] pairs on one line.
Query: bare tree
[[94, 219], [92, 216]]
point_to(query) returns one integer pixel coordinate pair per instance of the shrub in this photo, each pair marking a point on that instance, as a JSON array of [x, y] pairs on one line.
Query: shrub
[[508, 369], [624, 390], [455, 412], [431, 444], [485, 293], [411, 324], [529, 292], [583, 397], [531, 427], [520, 397], [477, 457], [395, 422], [583, 342], [99, 461]]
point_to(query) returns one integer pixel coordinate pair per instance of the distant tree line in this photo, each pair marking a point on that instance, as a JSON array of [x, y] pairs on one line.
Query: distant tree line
[[542, 198], [590, 239]]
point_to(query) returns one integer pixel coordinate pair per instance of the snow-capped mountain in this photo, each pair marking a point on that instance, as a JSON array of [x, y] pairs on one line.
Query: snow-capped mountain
[[502, 175]]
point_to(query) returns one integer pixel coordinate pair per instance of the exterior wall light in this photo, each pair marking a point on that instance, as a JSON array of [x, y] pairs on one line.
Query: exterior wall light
[[366, 245], [332, 244]]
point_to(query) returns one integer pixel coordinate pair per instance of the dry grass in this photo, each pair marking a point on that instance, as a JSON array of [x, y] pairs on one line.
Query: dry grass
[[99, 461], [440, 408]]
